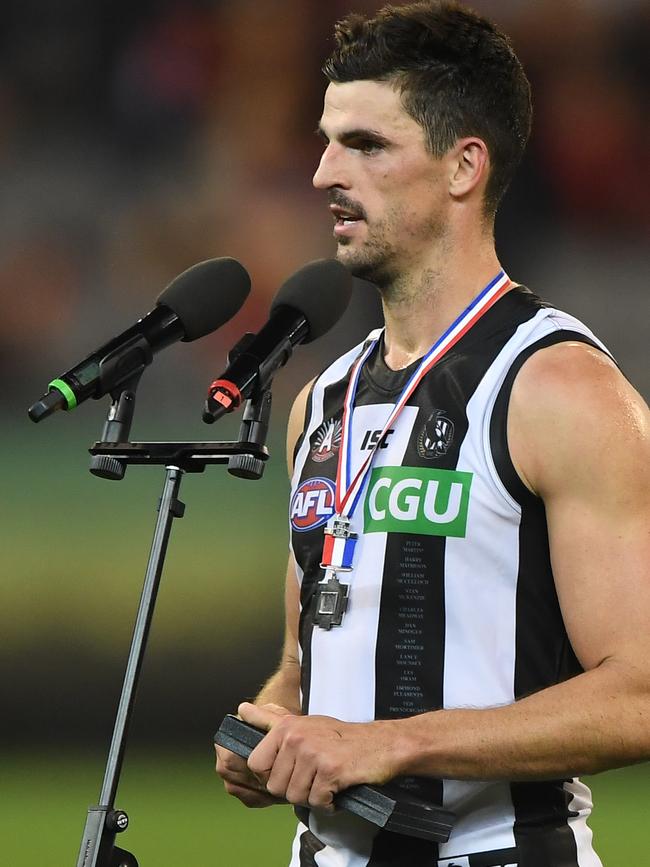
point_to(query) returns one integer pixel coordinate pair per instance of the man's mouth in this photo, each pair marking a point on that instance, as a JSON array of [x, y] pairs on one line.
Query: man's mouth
[[345, 217], [347, 220]]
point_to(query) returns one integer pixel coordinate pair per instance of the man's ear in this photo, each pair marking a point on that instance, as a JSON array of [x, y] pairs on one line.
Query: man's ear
[[469, 166]]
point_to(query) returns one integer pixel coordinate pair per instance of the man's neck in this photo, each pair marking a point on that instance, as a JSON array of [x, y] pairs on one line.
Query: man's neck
[[422, 305]]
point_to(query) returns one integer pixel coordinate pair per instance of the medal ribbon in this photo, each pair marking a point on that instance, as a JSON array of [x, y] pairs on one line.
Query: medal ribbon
[[348, 492]]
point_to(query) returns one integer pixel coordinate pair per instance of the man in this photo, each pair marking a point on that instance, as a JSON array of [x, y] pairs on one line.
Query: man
[[495, 642]]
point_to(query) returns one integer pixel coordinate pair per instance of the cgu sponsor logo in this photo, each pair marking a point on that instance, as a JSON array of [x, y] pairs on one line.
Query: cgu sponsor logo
[[417, 500], [312, 505]]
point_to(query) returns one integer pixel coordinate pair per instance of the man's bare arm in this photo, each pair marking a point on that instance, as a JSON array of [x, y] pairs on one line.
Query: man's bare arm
[[283, 687], [579, 436], [281, 692]]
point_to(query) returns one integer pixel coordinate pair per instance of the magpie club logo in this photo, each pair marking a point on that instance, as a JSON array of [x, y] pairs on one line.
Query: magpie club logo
[[327, 440], [436, 436], [312, 505]]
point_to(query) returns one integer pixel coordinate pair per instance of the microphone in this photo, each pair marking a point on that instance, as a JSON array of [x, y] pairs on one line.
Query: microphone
[[195, 303], [305, 307]]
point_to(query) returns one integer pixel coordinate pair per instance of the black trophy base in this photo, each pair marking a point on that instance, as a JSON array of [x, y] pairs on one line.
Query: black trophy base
[[386, 806]]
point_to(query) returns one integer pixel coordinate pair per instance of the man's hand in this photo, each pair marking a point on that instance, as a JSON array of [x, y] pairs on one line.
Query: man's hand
[[308, 759], [239, 780]]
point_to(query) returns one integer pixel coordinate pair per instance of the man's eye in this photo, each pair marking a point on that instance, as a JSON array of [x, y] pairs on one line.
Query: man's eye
[[367, 146]]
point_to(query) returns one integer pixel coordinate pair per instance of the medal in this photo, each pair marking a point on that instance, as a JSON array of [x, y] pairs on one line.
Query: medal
[[331, 602], [339, 541], [331, 599]]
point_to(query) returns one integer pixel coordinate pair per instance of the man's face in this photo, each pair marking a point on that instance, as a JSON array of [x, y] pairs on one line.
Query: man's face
[[386, 191]]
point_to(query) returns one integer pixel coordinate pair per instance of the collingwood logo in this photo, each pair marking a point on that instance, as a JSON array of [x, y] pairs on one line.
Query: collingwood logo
[[436, 436], [417, 500], [327, 440]]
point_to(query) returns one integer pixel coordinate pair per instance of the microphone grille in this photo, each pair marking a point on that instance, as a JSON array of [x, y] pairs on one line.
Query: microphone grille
[[320, 291], [207, 295]]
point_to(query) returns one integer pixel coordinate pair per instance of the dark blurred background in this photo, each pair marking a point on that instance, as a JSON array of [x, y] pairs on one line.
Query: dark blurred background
[[139, 138]]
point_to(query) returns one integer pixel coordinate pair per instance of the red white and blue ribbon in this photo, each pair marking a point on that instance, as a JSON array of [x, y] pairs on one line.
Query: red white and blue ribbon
[[338, 551], [348, 490]]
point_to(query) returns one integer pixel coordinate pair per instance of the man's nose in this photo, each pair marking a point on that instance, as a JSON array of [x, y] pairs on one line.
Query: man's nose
[[330, 172]]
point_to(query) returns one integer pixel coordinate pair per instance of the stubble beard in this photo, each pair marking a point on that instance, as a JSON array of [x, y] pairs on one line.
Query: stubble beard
[[378, 261], [371, 264], [373, 261]]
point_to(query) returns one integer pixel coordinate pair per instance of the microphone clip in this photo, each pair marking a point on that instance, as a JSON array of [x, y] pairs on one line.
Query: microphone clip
[[253, 429], [117, 428], [124, 366]]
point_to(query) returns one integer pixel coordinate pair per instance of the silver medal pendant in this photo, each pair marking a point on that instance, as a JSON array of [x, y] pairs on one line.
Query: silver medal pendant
[[331, 602]]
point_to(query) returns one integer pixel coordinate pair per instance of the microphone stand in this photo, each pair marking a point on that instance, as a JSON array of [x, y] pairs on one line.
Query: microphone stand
[[246, 459]]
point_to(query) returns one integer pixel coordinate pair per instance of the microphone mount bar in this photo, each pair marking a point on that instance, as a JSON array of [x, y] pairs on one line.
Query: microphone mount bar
[[192, 457]]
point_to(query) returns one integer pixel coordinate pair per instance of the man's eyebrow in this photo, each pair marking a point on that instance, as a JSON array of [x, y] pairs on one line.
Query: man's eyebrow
[[359, 134]]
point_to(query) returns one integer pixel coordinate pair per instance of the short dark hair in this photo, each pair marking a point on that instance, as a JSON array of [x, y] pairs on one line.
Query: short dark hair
[[457, 74]]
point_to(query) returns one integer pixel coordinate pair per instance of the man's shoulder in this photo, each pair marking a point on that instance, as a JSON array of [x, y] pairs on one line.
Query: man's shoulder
[[564, 374], [571, 399]]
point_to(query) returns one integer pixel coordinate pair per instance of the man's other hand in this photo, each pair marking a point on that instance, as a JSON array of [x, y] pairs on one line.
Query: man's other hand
[[239, 780]]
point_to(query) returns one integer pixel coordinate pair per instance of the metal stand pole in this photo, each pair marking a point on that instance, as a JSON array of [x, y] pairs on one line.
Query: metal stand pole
[[245, 458], [104, 822]]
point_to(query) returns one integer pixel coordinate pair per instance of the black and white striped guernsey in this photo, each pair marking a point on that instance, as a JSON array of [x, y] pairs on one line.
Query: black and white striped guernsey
[[452, 599]]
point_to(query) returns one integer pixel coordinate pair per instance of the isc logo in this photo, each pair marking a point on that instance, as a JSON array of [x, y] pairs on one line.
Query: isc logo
[[312, 505]]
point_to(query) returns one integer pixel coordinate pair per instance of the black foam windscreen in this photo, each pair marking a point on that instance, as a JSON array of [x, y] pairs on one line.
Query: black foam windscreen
[[207, 295], [320, 291]]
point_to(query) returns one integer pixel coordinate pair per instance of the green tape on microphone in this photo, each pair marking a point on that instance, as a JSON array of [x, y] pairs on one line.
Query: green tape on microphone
[[66, 391]]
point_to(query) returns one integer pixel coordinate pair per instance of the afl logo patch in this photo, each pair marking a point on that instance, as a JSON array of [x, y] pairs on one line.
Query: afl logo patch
[[436, 436], [312, 505], [327, 440]]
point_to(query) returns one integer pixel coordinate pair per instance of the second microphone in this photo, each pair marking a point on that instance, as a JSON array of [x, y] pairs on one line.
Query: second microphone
[[305, 307]]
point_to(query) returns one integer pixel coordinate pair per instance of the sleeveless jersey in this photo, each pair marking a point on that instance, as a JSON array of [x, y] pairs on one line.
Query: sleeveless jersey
[[452, 599]]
